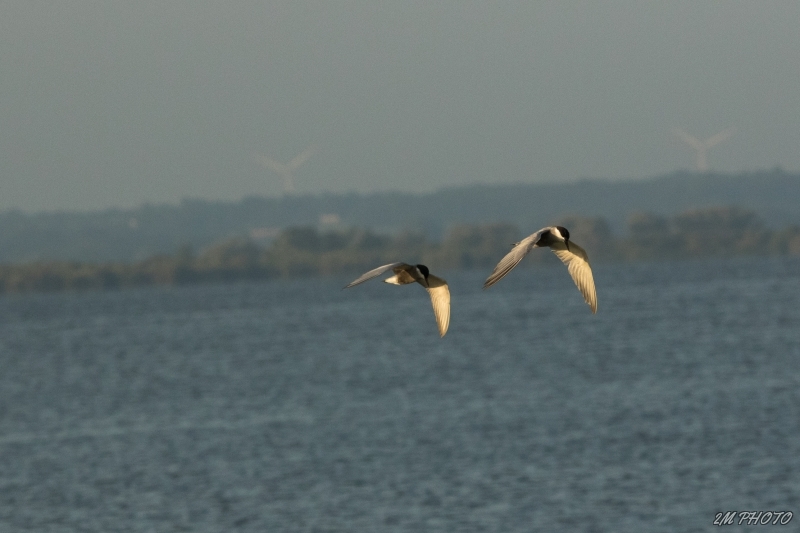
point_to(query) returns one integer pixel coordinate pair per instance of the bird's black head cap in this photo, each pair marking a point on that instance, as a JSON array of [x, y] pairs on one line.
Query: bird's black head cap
[[564, 232], [424, 270]]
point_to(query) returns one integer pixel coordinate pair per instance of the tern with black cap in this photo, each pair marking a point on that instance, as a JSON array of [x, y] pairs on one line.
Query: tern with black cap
[[557, 239], [405, 274]]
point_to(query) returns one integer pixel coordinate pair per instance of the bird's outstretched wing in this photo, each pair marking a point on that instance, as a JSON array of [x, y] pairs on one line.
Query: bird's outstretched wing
[[375, 273], [440, 299], [578, 265], [512, 258]]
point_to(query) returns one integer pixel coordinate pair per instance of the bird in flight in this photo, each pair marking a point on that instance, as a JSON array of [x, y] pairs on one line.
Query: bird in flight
[[405, 274], [572, 255]]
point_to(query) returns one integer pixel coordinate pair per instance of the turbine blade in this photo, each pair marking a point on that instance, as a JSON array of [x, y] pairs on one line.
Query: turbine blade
[[694, 142], [301, 158], [271, 164], [719, 137]]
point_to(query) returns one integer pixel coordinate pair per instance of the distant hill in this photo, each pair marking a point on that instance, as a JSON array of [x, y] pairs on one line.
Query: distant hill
[[305, 251], [133, 234]]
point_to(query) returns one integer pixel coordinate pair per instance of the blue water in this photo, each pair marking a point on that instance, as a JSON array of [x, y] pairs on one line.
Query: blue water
[[297, 406]]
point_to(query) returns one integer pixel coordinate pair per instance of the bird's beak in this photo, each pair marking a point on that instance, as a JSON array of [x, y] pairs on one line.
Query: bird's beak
[[567, 243]]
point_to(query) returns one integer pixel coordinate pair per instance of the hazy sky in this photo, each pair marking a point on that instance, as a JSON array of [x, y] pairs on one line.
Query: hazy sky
[[106, 103]]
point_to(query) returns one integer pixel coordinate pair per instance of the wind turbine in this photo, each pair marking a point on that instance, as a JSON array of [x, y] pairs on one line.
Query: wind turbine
[[285, 170], [702, 146]]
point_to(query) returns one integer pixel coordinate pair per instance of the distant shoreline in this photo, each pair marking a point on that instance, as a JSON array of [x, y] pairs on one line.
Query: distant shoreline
[[305, 251], [134, 234]]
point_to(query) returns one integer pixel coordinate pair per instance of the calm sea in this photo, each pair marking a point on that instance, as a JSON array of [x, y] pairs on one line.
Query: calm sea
[[299, 407]]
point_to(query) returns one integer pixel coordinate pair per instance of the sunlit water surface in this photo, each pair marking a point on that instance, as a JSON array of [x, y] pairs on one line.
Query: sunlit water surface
[[283, 407]]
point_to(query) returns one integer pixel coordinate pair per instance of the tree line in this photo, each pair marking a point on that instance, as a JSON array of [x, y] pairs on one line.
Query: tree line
[[133, 234], [307, 251]]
